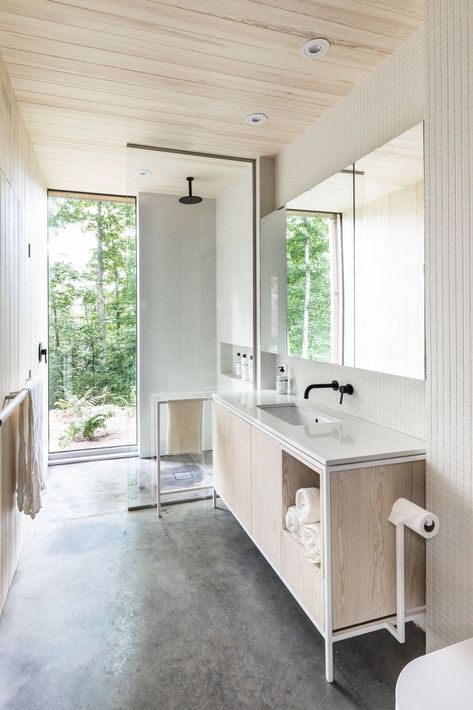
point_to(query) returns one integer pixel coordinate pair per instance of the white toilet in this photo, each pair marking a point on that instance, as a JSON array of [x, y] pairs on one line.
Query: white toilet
[[442, 680]]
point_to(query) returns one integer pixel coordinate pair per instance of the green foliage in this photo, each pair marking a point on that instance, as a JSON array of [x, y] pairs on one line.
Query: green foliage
[[89, 414], [92, 311], [314, 230]]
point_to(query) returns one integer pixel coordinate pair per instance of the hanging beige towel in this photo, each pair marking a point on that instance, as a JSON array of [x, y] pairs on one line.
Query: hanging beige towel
[[31, 480], [184, 432]]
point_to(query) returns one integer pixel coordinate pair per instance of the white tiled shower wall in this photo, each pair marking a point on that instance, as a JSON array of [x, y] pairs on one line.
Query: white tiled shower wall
[[449, 160], [177, 316], [386, 104]]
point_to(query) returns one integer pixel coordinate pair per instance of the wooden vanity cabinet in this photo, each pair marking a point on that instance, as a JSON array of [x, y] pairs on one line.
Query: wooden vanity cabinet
[[232, 462], [257, 475], [364, 542], [266, 495]]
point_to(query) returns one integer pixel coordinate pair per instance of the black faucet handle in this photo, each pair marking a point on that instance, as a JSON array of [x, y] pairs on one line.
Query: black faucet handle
[[345, 389]]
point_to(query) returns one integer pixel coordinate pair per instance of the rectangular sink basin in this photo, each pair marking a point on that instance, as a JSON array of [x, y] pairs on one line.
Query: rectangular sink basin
[[295, 415]]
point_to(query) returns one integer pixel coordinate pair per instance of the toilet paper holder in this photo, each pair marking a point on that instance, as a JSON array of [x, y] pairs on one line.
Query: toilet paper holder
[[405, 513]]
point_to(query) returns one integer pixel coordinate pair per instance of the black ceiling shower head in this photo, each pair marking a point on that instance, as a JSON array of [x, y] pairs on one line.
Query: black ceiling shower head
[[190, 199]]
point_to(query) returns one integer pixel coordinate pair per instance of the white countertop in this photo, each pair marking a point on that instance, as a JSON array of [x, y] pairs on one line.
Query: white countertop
[[347, 439]]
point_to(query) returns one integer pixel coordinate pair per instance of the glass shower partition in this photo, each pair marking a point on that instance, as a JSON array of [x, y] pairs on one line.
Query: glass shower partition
[[187, 306]]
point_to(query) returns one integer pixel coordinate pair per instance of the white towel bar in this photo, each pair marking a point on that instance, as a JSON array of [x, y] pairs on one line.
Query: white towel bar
[[16, 398]]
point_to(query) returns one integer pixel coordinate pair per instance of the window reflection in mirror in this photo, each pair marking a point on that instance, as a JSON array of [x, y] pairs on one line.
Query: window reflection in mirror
[[314, 313], [342, 266], [319, 232]]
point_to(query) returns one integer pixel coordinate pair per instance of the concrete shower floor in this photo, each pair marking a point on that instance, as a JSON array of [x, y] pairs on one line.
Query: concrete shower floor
[[111, 610]]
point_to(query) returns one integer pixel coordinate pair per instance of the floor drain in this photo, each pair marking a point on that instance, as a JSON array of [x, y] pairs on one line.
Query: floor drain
[[183, 476]]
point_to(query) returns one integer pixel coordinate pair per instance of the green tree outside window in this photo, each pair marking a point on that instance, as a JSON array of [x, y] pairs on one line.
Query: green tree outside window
[[308, 286]]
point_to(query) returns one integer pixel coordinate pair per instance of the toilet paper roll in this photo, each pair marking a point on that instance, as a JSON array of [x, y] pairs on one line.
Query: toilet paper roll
[[416, 518]]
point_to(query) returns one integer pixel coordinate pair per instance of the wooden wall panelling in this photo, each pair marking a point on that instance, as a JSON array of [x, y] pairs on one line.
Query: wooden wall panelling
[[23, 303]]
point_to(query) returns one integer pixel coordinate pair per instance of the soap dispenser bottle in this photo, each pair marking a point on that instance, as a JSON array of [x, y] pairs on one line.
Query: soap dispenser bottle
[[237, 365], [250, 369], [244, 368], [281, 381]]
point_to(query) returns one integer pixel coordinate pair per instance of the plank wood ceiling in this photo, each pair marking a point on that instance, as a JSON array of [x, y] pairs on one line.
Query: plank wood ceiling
[[93, 75]]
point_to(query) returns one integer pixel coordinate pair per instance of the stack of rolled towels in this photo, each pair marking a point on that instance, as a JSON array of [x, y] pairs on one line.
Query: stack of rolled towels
[[303, 521]]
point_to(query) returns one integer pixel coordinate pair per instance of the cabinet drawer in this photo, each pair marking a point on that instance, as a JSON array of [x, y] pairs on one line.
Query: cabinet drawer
[[302, 577]]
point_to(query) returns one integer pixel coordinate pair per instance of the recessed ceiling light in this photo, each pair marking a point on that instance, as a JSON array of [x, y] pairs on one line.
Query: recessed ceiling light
[[315, 48], [256, 119], [144, 172]]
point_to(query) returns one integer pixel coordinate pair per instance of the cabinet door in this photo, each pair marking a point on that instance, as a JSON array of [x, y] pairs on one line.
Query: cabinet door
[[232, 462], [303, 578], [364, 542], [266, 483]]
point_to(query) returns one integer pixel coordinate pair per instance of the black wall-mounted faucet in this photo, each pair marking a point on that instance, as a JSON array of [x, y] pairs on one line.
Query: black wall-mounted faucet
[[345, 389], [331, 385]]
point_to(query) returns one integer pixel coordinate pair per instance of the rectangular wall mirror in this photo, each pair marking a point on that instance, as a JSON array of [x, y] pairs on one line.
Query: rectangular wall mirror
[[342, 265]]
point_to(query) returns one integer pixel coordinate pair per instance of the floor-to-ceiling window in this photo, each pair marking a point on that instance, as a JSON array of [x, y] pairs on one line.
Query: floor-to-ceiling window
[[92, 322]]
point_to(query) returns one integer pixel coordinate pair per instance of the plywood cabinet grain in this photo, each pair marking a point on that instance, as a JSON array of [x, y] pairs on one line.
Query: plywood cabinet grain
[[267, 506], [303, 578], [232, 466], [364, 542]]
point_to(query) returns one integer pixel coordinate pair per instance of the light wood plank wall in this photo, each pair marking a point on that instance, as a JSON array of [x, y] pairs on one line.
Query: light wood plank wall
[[23, 299]]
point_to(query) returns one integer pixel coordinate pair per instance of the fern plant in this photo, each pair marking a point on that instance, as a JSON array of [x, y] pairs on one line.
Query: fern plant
[[89, 414]]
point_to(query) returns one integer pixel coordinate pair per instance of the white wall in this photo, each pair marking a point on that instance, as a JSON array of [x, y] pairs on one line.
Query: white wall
[[449, 272], [389, 296], [23, 304], [234, 267], [383, 106], [177, 322]]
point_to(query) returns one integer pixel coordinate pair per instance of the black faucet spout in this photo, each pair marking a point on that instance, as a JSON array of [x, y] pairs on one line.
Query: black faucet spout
[[330, 385]]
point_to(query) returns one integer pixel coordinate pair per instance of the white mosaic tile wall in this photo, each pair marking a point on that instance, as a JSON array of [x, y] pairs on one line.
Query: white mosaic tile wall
[[177, 314], [395, 402], [387, 103], [449, 153]]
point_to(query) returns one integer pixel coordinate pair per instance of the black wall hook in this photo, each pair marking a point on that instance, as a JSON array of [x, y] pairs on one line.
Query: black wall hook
[[42, 352]]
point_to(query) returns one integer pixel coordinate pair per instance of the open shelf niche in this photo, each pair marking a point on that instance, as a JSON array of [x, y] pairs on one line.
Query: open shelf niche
[[228, 352], [295, 475]]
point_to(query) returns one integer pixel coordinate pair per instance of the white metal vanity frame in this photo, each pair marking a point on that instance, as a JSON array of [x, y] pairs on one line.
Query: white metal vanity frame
[[390, 623]]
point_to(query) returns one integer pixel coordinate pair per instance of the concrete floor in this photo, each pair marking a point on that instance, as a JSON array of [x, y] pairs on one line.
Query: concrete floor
[[117, 610]]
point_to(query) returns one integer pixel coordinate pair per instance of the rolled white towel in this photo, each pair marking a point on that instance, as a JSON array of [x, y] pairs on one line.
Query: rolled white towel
[[308, 505], [293, 524], [311, 541]]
